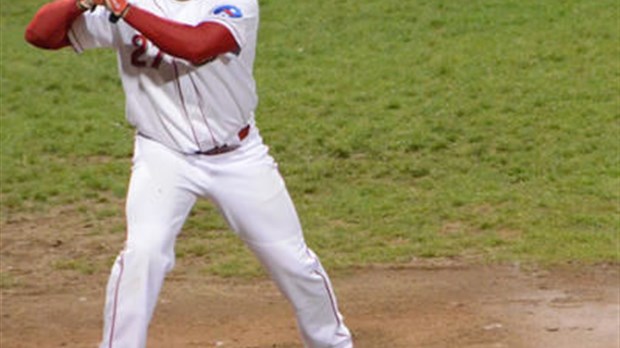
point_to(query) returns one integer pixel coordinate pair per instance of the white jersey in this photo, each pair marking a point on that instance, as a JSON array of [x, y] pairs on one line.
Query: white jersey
[[186, 107]]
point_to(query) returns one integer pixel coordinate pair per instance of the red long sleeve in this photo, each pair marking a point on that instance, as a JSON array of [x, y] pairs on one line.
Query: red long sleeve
[[50, 25], [197, 44]]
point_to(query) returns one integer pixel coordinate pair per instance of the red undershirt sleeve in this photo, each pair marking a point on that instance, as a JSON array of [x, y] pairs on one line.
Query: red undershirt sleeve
[[50, 25], [197, 44]]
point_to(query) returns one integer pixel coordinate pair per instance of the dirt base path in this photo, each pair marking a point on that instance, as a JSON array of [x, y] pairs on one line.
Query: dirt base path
[[48, 302], [422, 305]]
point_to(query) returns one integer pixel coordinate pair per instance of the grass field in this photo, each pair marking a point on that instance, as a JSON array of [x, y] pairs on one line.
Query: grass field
[[404, 129]]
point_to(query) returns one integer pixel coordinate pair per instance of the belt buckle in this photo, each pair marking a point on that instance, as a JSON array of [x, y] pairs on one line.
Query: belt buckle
[[220, 149]]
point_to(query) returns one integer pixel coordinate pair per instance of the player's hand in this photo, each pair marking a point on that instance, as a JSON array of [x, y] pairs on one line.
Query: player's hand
[[88, 4], [117, 7]]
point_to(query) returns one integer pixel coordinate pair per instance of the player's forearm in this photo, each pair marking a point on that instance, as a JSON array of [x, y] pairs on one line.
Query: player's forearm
[[197, 44], [50, 25]]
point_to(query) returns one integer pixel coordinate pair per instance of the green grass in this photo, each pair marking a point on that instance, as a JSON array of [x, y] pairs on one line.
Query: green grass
[[403, 128], [80, 265], [7, 281]]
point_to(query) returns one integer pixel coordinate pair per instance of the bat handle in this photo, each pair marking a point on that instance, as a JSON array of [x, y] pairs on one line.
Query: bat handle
[[113, 18]]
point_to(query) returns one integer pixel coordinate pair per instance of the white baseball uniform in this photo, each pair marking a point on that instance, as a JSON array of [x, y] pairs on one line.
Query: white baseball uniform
[[180, 109]]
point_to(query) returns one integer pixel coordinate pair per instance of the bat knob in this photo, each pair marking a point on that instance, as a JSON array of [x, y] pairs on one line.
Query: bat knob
[[113, 18]]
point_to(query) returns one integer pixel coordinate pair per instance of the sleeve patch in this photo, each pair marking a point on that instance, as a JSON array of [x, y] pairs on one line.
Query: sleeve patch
[[228, 11]]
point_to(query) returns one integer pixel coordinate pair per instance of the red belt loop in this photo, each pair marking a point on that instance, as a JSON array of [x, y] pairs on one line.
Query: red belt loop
[[243, 133]]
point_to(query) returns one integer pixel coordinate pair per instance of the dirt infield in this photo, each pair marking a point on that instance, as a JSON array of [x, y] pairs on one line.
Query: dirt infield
[[431, 303]]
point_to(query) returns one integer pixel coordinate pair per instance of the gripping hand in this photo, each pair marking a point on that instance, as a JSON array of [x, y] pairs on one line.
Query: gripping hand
[[118, 8], [88, 4]]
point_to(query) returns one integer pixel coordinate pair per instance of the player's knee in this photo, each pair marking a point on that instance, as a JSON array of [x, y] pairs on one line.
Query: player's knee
[[151, 253], [289, 260], [150, 258]]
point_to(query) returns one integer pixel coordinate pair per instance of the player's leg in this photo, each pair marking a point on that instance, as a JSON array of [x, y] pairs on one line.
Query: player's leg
[[254, 200], [157, 205], [301, 278]]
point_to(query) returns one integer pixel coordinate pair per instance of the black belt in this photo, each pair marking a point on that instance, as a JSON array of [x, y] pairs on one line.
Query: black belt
[[218, 150]]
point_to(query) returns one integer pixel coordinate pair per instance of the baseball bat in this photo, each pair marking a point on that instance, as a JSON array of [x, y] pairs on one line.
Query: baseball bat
[[113, 18]]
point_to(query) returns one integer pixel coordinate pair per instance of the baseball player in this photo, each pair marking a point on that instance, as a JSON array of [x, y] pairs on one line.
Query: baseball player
[[187, 72]]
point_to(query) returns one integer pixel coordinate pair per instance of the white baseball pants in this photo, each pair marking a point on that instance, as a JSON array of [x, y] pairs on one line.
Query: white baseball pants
[[247, 188]]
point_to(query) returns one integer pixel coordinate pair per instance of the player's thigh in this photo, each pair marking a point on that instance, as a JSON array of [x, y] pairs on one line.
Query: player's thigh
[[256, 204], [158, 202]]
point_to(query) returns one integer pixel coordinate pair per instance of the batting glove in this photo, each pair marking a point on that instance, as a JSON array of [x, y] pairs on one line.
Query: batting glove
[[118, 8], [88, 4]]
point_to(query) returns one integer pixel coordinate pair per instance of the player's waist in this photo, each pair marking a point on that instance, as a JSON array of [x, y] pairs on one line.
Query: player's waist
[[224, 148], [233, 143]]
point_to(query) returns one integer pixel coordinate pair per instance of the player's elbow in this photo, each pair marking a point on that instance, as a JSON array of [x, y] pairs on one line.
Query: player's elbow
[[202, 54], [198, 56], [37, 39], [199, 61], [34, 38]]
